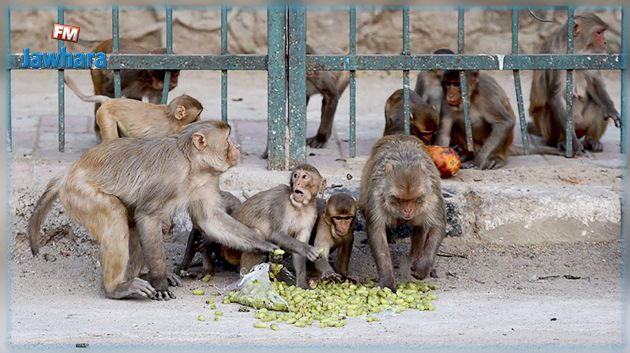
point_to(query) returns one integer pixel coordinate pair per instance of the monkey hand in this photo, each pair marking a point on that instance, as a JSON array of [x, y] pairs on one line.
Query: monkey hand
[[332, 276], [614, 115], [486, 163], [421, 268], [173, 279], [311, 253]]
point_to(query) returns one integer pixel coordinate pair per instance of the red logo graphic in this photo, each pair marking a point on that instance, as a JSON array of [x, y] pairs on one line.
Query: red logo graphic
[[65, 32]]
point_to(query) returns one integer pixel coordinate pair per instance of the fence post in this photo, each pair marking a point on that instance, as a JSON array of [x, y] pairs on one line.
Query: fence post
[[276, 86], [297, 84], [61, 119]]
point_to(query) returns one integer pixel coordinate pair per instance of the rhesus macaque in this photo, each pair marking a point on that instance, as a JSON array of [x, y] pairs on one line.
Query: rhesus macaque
[[285, 215], [121, 190], [429, 84], [592, 105], [134, 84], [123, 117], [491, 116], [331, 85], [335, 230], [197, 243], [400, 184], [423, 118]]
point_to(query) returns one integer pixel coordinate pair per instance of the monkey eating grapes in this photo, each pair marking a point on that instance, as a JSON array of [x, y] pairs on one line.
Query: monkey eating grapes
[[400, 184]]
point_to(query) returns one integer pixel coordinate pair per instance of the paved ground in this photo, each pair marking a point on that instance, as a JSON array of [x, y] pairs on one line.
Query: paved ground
[[540, 216]]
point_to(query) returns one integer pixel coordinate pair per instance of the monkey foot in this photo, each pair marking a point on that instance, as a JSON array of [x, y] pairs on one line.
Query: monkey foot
[[196, 272], [578, 149], [594, 146], [317, 141], [137, 288], [173, 279]]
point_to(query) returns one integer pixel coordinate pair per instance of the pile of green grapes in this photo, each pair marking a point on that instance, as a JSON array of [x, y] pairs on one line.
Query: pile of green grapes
[[331, 303]]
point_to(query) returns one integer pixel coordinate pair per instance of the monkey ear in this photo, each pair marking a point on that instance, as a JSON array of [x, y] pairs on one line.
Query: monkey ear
[[389, 169], [199, 140], [475, 74], [180, 112], [412, 117], [322, 186]]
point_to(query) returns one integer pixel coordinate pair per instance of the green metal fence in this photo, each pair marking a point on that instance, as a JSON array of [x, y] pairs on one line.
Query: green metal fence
[[286, 63]]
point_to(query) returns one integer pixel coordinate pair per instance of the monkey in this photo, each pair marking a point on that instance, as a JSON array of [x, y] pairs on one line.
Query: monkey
[[134, 84], [400, 184], [331, 85], [198, 243], [491, 115], [285, 215], [429, 84], [123, 117], [592, 106], [423, 118], [335, 230], [122, 189]]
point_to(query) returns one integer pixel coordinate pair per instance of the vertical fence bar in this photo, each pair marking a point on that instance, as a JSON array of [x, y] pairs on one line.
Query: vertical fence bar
[[517, 82], [276, 86], [569, 94], [353, 83], [224, 73], [462, 78], [624, 97], [297, 84], [406, 51], [8, 82], [61, 118], [115, 49], [169, 50]]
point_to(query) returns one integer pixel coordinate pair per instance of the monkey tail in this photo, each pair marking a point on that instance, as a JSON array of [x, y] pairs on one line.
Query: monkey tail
[[41, 210], [81, 95], [520, 151]]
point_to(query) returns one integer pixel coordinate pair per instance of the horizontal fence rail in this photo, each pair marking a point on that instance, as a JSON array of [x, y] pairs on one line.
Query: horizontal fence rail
[[286, 63]]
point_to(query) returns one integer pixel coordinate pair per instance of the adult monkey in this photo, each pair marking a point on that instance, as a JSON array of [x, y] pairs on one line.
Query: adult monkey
[[400, 184], [491, 115], [331, 85], [134, 84], [121, 190], [592, 105]]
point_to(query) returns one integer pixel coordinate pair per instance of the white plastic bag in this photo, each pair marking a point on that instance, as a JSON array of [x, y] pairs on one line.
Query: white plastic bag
[[254, 289]]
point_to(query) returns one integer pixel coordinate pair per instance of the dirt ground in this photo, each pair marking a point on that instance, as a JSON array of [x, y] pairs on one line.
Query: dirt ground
[[508, 288]]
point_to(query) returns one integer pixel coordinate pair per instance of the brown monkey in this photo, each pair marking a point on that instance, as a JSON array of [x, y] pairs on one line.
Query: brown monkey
[[429, 84], [285, 215], [335, 230], [122, 117], [331, 85], [197, 243], [423, 118], [400, 184], [122, 189], [592, 105], [134, 84], [491, 114]]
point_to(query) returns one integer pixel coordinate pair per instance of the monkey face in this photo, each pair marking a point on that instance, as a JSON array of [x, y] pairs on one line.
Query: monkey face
[[405, 191], [342, 224], [214, 147], [305, 183], [424, 123], [302, 185]]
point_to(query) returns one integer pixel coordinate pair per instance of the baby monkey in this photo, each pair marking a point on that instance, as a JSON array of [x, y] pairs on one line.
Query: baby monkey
[[335, 230], [123, 117], [285, 215]]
